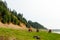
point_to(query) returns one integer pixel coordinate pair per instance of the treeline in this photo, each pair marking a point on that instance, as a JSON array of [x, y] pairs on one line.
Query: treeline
[[35, 25], [9, 16]]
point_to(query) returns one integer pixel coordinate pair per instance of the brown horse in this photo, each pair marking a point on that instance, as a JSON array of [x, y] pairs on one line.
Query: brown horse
[[30, 29]]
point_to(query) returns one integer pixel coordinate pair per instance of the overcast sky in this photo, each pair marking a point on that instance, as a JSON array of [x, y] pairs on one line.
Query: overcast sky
[[46, 12]]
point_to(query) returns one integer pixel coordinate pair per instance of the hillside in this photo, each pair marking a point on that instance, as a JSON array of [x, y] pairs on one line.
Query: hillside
[[12, 26], [13, 34], [10, 18]]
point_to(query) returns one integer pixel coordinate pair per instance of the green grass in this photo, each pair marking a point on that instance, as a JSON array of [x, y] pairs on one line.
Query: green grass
[[25, 35]]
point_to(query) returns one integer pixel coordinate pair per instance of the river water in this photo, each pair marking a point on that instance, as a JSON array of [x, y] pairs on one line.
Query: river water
[[56, 31]]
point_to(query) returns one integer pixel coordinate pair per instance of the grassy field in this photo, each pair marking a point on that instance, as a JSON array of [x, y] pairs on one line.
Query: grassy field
[[25, 35]]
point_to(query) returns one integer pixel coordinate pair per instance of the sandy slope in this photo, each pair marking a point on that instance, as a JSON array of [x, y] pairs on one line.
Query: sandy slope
[[23, 26]]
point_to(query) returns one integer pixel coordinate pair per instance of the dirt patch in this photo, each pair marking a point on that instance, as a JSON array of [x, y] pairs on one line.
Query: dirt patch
[[23, 26]]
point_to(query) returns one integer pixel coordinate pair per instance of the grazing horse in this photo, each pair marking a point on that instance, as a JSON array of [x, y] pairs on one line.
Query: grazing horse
[[49, 31], [37, 30], [30, 29]]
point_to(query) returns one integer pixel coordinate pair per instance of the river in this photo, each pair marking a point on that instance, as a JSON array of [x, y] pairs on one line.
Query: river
[[56, 31]]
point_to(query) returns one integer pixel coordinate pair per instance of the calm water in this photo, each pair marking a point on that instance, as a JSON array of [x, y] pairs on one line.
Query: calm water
[[56, 31]]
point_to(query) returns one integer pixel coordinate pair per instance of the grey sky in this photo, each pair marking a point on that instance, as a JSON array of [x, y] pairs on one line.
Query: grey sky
[[46, 12]]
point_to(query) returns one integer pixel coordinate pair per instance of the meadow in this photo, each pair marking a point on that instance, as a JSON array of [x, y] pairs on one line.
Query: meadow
[[18, 34]]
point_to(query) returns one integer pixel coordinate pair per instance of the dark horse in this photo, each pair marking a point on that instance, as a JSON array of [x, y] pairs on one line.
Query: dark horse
[[49, 31]]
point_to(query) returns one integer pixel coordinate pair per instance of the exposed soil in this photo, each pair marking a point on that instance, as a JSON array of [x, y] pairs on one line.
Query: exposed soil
[[22, 26]]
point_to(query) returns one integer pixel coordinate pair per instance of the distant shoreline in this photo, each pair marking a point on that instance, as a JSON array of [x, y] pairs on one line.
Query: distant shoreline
[[54, 31]]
